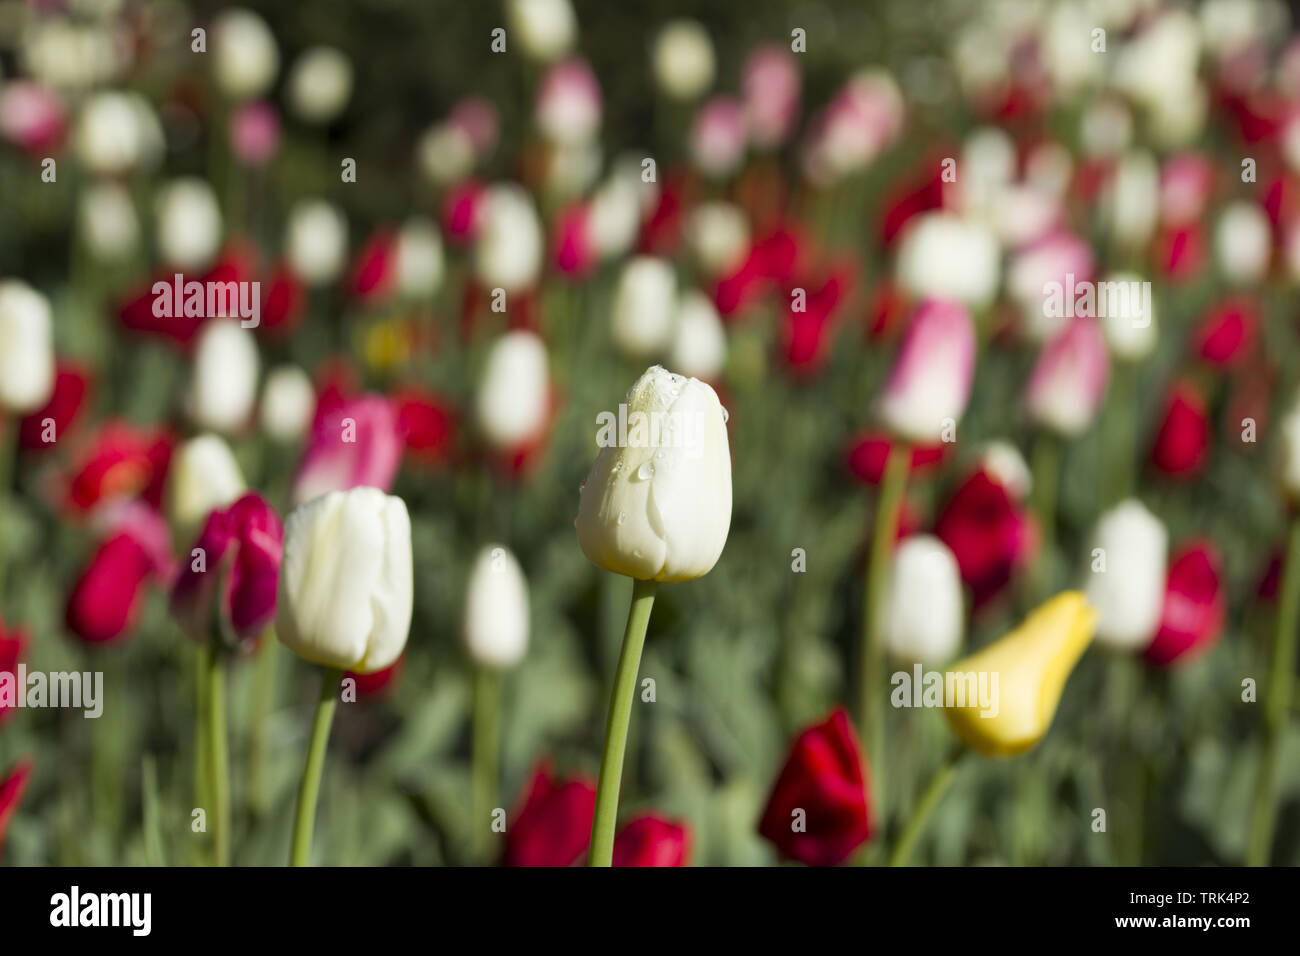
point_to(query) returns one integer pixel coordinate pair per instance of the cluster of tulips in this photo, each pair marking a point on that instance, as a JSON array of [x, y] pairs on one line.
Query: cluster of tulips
[[840, 272]]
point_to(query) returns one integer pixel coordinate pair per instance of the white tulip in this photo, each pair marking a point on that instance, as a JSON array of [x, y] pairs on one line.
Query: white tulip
[[316, 241], [1132, 204], [189, 223], [288, 403], [420, 263], [117, 133], [320, 84], [203, 475], [718, 233], [1105, 128], [683, 60], [513, 394], [26, 348], [496, 609], [1131, 328], [544, 28], [660, 509], [1003, 462], [945, 256], [508, 254], [642, 312], [615, 216], [699, 347], [1243, 242], [223, 388], [1289, 460], [244, 56], [346, 583], [445, 153], [1126, 583], [107, 221], [923, 610]]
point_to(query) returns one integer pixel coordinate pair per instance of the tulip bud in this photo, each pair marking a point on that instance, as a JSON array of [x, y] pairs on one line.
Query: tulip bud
[[551, 826], [545, 29], [718, 233], [683, 60], [568, 103], [254, 133], [945, 257], [1133, 199], [105, 600], [12, 786], [1031, 665], [240, 549], [772, 88], [923, 617], [496, 609], [288, 403], [189, 223], [320, 83], [26, 348], [1243, 242], [354, 444], [346, 582], [420, 263], [1003, 462], [642, 313], [1126, 583], [1183, 439], [224, 384], [718, 137], [32, 116], [316, 239], [1059, 259], [107, 222], [513, 395], [648, 840], [244, 57], [1191, 617], [985, 526], [1289, 458], [203, 475], [1131, 328], [117, 133], [1069, 379], [445, 153], [658, 506], [931, 379], [615, 215], [699, 345], [509, 250]]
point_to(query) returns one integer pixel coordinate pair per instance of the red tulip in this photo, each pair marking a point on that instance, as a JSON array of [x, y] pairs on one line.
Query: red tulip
[[283, 297], [1227, 333], [1184, 437], [649, 840], [352, 444], [105, 601], [661, 233], [377, 683], [771, 262], [11, 791], [460, 211], [12, 645], [65, 403], [870, 450], [242, 546], [553, 825], [806, 335], [818, 812], [1194, 607], [426, 423], [574, 255], [122, 461], [1180, 252], [909, 201], [988, 533], [235, 264], [375, 270]]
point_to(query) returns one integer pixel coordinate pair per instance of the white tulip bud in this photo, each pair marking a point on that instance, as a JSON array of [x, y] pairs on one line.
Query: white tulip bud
[[1003, 461], [244, 57], [718, 233], [445, 153], [1289, 461], [1129, 593], [420, 262], [923, 611], [496, 609], [189, 223], [699, 346], [642, 313], [108, 224], [683, 60], [316, 241], [288, 403], [1243, 242], [545, 29], [514, 393], [203, 475], [320, 84], [346, 582], [1131, 328], [657, 502], [615, 217], [118, 132], [224, 383], [510, 246], [26, 348], [946, 257]]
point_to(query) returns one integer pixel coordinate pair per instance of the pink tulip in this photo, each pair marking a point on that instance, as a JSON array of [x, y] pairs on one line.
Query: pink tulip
[[240, 549], [772, 84], [931, 379], [718, 136], [477, 119], [568, 103], [254, 133], [31, 116], [1185, 184], [355, 443], [1070, 378], [574, 254]]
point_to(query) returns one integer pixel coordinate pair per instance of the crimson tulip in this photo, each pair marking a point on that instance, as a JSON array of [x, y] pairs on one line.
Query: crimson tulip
[[1183, 440], [649, 840], [11, 792], [12, 645], [552, 827], [1191, 618], [71, 383], [988, 532]]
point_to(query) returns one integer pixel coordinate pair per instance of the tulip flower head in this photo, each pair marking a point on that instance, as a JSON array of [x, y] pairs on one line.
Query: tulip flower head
[[223, 388], [513, 401], [1191, 618], [26, 348], [1031, 665], [352, 444], [1126, 582], [683, 60], [924, 616], [1070, 378], [496, 609], [346, 581], [930, 383], [660, 510], [203, 475]]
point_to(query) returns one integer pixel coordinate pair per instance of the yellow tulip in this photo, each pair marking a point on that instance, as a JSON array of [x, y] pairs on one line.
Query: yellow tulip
[[1027, 671]]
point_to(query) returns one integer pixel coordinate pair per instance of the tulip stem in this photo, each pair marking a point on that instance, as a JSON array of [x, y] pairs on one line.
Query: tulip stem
[[485, 759], [871, 657], [620, 713], [934, 792], [1277, 704], [1046, 477], [218, 754], [259, 788], [304, 817]]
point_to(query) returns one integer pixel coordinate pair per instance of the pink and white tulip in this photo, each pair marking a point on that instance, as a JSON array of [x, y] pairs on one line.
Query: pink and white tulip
[[930, 384], [1070, 378]]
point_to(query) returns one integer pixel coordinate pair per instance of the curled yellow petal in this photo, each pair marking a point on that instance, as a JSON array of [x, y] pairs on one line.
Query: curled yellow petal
[[1026, 670]]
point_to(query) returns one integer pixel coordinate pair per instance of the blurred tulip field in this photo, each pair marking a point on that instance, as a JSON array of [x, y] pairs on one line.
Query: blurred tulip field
[[330, 532]]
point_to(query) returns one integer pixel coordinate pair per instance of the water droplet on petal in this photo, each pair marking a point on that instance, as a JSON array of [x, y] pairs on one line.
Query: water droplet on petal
[[726, 416], [646, 470], [622, 517]]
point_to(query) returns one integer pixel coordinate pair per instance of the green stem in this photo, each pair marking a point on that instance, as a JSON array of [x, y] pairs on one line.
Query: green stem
[[1277, 704], [485, 758], [201, 728], [934, 793], [620, 713], [871, 654], [153, 842], [1046, 477], [1119, 435], [218, 756], [304, 818], [259, 789]]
